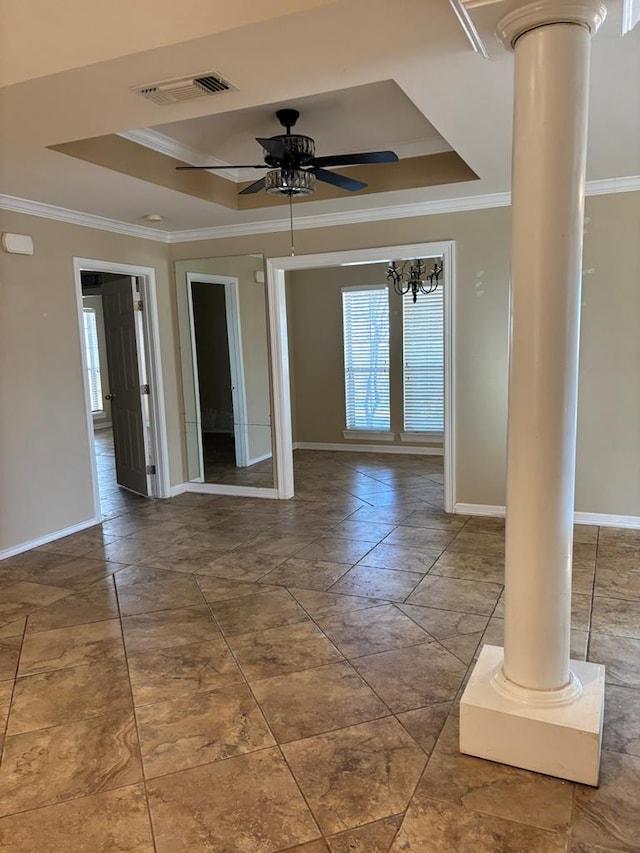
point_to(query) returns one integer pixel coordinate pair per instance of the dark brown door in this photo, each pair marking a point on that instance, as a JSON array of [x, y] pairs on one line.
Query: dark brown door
[[124, 384]]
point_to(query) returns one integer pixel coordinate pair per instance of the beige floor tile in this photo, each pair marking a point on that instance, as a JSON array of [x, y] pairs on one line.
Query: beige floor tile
[[241, 566], [257, 806], [223, 589], [257, 612], [463, 647], [413, 677], [179, 671], [425, 724], [312, 847], [67, 695], [183, 557], [306, 574], [55, 764], [198, 729], [332, 550], [125, 550], [494, 789], [373, 838], [580, 611], [434, 520], [277, 651], [617, 583], [113, 821], [444, 623], [21, 565], [475, 597], [13, 629], [585, 533], [444, 828], [362, 531], [621, 657], [420, 537], [318, 700], [20, 599], [9, 654], [75, 572], [357, 775], [377, 583], [59, 648], [328, 603], [489, 544], [471, 567], [622, 720], [280, 544], [485, 524], [365, 632], [616, 616], [181, 591], [608, 815], [401, 558], [78, 544], [97, 603], [164, 628]]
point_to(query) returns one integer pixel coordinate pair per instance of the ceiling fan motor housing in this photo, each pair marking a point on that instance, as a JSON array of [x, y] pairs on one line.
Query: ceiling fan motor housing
[[302, 149]]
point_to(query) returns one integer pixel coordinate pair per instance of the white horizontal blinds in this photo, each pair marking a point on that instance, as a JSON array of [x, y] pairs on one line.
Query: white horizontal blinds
[[93, 359], [365, 315], [423, 361]]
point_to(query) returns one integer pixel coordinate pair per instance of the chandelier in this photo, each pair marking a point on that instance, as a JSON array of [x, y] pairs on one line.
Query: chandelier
[[413, 276], [289, 182]]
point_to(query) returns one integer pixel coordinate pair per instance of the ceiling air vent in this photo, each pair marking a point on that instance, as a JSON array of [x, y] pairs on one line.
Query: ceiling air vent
[[184, 89]]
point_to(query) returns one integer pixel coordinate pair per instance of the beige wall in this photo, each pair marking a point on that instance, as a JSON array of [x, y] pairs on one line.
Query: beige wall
[[45, 474], [314, 299], [45, 482]]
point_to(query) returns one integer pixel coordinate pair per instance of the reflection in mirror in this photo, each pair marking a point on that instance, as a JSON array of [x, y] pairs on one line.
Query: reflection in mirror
[[225, 370]]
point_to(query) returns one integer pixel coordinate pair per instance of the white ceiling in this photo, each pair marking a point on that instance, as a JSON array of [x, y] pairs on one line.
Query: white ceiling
[[70, 75]]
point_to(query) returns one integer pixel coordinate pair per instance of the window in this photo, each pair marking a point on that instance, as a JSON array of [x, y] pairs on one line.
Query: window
[[423, 362], [365, 317], [93, 359]]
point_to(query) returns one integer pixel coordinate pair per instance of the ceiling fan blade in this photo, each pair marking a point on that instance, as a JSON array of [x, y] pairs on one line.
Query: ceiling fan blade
[[275, 147], [197, 168], [255, 187], [339, 180], [355, 159]]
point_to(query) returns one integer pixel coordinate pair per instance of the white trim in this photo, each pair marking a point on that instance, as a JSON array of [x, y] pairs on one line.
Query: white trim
[[482, 201], [276, 301], [237, 491], [470, 30], [163, 144], [590, 518], [630, 15], [368, 434], [174, 491], [101, 424], [263, 458], [422, 437], [419, 450], [159, 440], [50, 537]]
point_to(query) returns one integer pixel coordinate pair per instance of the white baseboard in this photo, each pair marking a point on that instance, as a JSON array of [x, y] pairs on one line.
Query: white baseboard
[[101, 425], [50, 537], [256, 459], [593, 518], [231, 491], [419, 450], [177, 490]]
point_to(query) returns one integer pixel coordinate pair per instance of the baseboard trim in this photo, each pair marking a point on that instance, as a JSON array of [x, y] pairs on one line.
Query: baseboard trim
[[371, 448], [590, 518], [50, 537], [174, 491], [231, 491], [257, 459]]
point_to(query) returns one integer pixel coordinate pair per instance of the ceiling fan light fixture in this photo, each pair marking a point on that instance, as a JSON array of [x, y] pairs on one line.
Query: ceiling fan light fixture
[[289, 182]]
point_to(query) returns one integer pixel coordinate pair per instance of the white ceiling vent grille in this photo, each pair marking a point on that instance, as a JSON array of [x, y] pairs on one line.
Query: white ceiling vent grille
[[184, 89]]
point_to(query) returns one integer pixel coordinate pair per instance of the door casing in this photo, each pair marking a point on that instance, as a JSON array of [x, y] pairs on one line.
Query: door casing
[[149, 342]]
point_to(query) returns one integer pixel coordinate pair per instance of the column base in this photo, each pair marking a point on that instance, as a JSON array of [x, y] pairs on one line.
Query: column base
[[558, 740]]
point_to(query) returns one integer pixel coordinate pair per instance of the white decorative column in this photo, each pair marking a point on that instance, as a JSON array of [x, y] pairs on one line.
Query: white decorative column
[[527, 704]]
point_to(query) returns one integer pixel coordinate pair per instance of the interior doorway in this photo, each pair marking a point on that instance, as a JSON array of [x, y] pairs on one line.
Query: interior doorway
[[123, 385], [276, 290]]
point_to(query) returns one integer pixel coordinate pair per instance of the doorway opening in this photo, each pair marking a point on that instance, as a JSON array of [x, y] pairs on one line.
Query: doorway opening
[[276, 289], [123, 384]]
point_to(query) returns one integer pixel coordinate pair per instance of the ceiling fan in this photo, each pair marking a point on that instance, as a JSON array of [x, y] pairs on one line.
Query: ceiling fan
[[293, 165]]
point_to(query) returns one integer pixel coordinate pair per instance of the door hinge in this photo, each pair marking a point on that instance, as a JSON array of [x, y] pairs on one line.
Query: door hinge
[[144, 389], [138, 304], [151, 469]]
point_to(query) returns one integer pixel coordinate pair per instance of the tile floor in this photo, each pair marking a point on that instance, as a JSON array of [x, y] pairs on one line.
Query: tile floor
[[227, 674]]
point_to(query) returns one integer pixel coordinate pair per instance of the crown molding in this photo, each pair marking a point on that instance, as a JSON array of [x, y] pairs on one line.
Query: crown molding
[[324, 220], [179, 151], [76, 217]]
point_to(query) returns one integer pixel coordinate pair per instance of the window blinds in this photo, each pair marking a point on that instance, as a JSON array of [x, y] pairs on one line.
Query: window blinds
[[423, 361], [365, 315], [93, 359]]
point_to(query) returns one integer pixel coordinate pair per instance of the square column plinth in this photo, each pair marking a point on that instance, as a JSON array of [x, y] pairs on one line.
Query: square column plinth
[[560, 740]]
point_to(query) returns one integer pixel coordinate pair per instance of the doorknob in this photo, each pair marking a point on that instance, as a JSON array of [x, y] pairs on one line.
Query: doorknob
[[109, 396]]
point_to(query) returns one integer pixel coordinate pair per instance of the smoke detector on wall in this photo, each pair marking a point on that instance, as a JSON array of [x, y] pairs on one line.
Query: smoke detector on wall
[[183, 89]]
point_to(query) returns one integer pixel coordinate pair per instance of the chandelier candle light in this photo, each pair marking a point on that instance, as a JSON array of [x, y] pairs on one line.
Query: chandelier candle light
[[413, 276]]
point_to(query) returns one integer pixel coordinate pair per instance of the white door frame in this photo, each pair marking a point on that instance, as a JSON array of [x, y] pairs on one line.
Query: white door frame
[[277, 307], [160, 487], [236, 362]]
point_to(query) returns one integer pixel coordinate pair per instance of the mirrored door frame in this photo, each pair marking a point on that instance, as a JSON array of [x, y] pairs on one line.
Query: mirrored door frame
[[277, 313]]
